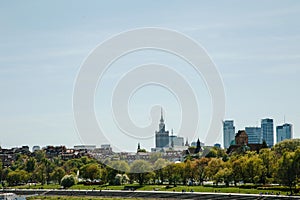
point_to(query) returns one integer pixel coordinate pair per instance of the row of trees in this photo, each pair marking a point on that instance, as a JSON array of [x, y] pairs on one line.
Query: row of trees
[[281, 164], [39, 169]]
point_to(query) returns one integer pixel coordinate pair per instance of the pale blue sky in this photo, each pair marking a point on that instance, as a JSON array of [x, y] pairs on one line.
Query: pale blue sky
[[254, 44]]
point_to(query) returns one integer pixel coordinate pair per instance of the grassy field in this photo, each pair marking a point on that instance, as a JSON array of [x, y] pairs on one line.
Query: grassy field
[[78, 198], [179, 188]]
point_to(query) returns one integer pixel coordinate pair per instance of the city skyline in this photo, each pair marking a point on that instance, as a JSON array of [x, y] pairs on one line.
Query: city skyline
[[253, 45], [254, 133], [267, 132]]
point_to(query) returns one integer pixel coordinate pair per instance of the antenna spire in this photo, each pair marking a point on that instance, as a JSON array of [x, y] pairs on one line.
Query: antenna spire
[[161, 114]]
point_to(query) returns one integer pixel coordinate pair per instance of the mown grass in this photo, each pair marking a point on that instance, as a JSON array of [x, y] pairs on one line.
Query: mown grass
[[77, 198], [179, 188]]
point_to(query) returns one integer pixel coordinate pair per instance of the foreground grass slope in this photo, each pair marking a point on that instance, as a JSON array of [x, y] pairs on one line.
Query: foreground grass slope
[[179, 188], [77, 198]]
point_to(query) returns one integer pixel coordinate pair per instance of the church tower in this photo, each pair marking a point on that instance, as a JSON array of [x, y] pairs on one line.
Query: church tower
[[198, 147]]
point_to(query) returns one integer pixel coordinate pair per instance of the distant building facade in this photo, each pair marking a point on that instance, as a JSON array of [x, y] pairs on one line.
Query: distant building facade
[[8, 156], [267, 130], [254, 135], [228, 132], [284, 132], [36, 148], [175, 141], [241, 138], [85, 147], [194, 144], [241, 144], [162, 138]]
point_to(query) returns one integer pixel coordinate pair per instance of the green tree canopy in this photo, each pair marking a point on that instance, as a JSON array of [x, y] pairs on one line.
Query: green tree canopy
[[90, 171], [57, 174], [68, 181], [139, 170]]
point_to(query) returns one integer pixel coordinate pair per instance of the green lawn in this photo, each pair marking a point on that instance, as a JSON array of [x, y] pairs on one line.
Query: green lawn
[[78, 198], [179, 188]]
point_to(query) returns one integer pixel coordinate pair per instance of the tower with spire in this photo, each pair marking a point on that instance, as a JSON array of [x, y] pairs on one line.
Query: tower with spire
[[162, 125], [139, 147], [161, 136], [198, 147]]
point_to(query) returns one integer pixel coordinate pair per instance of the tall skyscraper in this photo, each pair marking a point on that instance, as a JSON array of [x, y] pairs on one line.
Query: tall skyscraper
[[228, 132], [254, 135], [267, 130], [284, 132], [161, 136]]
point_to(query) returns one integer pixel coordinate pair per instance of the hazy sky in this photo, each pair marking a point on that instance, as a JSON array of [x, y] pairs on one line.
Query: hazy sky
[[254, 44]]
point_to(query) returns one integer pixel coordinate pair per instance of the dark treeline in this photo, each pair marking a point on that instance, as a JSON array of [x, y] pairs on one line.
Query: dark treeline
[[280, 165]]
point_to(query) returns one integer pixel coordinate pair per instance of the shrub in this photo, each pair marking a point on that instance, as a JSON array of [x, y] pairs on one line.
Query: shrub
[[68, 181]]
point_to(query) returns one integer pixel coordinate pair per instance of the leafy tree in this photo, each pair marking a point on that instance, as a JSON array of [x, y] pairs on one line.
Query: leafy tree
[[73, 165], [237, 164], [5, 173], [214, 165], [253, 168], [174, 173], [121, 166], [30, 164], [213, 153], [224, 175], [57, 174], [199, 167], [39, 155], [1, 170], [189, 173], [19, 162], [121, 179], [57, 161], [139, 170], [142, 150], [288, 169], [118, 179], [48, 167], [13, 178], [90, 171], [297, 163], [68, 181], [39, 174], [111, 174], [104, 174], [17, 177], [155, 156], [159, 172], [286, 146], [268, 161], [86, 160]]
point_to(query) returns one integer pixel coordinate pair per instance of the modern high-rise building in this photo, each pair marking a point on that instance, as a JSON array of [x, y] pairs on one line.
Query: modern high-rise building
[[267, 131], [284, 132], [228, 132], [175, 141], [162, 138], [254, 135]]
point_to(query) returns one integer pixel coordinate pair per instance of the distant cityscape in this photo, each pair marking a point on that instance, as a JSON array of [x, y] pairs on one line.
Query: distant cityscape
[[168, 146], [256, 135]]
